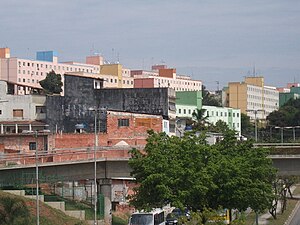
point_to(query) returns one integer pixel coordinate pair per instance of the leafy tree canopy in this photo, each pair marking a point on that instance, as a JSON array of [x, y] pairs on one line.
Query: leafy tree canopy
[[187, 172], [287, 115], [52, 84], [210, 99], [246, 126]]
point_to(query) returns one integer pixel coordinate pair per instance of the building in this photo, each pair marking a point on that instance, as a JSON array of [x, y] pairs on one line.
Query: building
[[292, 91], [252, 97], [188, 102], [161, 76], [26, 73], [20, 108], [113, 75], [82, 94], [232, 117]]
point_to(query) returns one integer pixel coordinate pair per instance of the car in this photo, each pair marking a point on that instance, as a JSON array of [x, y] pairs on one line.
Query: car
[[172, 218]]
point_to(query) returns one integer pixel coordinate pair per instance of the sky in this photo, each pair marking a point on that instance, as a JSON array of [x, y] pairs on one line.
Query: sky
[[216, 41]]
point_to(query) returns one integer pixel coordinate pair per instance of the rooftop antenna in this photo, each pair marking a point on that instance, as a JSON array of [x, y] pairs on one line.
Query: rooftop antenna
[[218, 85], [112, 54], [254, 71], [92, 49]]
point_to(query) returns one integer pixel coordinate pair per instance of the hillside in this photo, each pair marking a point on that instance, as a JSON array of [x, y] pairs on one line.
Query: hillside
[[19, 210]]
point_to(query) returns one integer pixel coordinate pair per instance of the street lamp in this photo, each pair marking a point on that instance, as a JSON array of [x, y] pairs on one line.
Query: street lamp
[[95, 163], [37, 179], [96, 110], [255, 111]]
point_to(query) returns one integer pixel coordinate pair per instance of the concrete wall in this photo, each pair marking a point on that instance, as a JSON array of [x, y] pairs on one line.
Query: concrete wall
[[63, 113]]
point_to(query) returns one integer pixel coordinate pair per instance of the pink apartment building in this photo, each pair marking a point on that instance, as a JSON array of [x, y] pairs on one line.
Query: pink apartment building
[[161, 76], [25, 74]]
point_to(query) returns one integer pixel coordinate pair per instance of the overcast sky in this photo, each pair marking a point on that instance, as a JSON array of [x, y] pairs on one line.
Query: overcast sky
[[211, 40]]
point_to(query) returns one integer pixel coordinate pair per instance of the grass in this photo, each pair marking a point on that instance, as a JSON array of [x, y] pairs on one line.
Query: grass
[[48, 215], [118, 221], [75, 205], [281, 218]]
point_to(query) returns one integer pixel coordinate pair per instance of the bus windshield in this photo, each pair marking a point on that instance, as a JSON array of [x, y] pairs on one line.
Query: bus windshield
[[141, 219]]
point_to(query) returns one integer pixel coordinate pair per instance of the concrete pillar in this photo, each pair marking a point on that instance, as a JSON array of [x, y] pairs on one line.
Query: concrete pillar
[[2, 129], [30, 127], [16, 126], [105, 189]]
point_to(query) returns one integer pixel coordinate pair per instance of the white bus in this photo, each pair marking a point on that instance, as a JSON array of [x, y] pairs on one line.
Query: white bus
[[155, 217]]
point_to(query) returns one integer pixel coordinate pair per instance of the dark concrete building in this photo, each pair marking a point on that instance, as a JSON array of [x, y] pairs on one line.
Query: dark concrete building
[[83, 94]]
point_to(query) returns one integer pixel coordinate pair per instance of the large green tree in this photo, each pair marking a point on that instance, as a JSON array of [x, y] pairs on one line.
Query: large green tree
[[210, 99], [52, 84], [287, 115], [187, 172]]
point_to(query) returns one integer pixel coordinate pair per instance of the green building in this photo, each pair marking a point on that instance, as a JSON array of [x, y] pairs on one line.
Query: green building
[[293, 94]]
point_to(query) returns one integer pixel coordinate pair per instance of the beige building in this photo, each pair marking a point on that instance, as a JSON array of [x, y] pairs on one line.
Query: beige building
[[252, 97]]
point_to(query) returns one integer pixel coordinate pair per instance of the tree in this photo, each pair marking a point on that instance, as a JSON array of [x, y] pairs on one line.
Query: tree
[[246, 126], [287, 115], [13, 211], [200, 119], [52, 84], [210, 99], [187, 172], [219, 127]]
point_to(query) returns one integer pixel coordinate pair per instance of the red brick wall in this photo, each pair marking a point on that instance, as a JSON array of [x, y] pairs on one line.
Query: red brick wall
[[134, 134], [20, 142]]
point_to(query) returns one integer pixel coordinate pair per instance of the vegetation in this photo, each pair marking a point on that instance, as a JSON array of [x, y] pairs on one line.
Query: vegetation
[[13, 211], [287, 115], [200, 120], [16, 210], [247, 128], [187, 172], [52, 84], [210, 99]]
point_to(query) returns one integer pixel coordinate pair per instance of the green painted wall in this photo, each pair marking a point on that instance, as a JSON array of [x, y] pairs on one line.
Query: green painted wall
[[191, 98], [284, 97]]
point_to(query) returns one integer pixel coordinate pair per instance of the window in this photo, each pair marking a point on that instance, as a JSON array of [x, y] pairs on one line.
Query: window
[[184, 111], [123, 122], [221, 113], [233, 114], [17, 112], [229, 114], [189, 111], [237, 115], [32, 145], [40, 109], [0, 112], [217, 114], [179, 111]]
